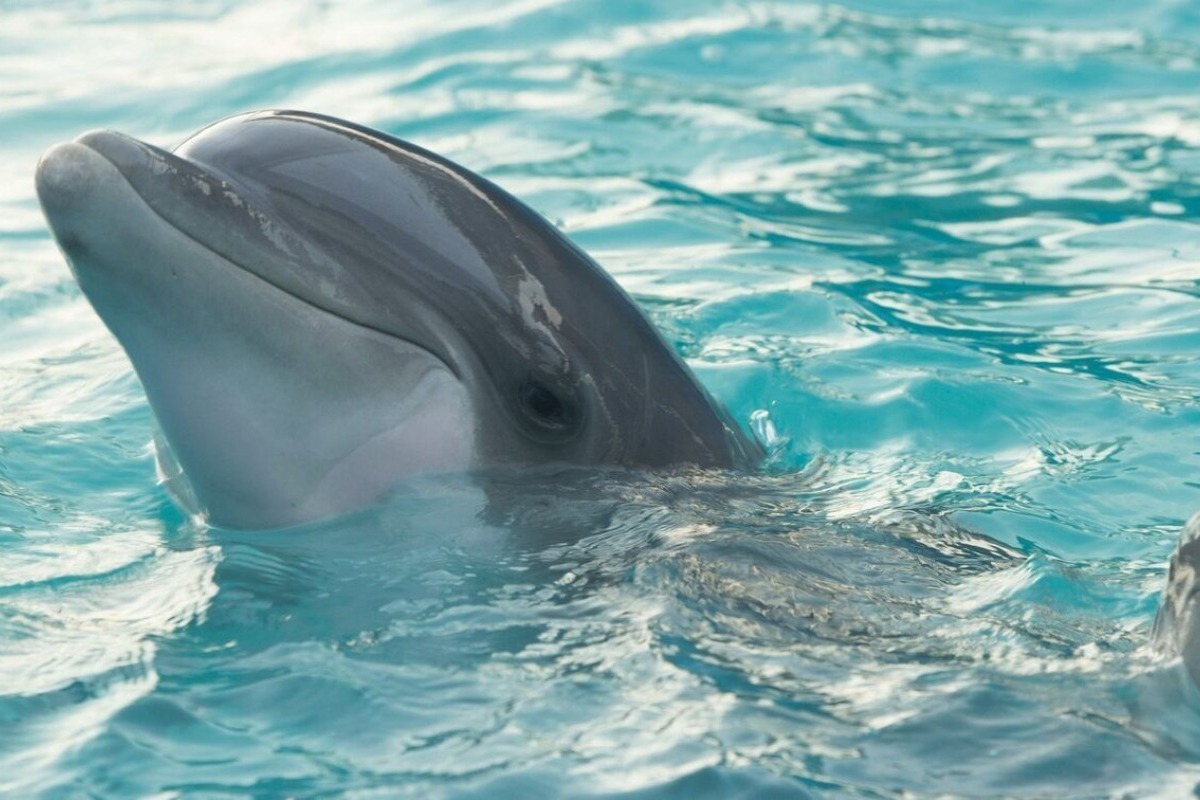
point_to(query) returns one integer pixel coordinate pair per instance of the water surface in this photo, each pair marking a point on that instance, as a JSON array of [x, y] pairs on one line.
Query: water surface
[[950, 250]]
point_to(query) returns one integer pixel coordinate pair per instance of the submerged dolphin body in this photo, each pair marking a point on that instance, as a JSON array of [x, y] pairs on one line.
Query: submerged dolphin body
[[1177, 625], [316, 310]]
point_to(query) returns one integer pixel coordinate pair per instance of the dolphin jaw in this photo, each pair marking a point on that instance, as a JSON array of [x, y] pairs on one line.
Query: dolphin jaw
[[277, 411]]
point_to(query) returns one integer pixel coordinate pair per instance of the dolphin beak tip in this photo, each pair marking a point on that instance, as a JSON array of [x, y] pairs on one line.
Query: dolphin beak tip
[[65, 176]]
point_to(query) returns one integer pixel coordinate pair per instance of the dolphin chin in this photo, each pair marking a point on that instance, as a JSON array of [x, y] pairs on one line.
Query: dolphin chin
[[317, 310]]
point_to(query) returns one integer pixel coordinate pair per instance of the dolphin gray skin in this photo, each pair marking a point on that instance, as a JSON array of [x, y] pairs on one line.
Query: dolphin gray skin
[[1177, 625], [316, 310]]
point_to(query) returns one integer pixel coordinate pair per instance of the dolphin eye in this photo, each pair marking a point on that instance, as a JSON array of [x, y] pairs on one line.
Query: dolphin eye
[[541, 402], [550, 411]]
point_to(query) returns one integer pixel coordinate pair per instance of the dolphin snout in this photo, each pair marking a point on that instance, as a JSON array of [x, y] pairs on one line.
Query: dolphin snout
[[127, 154], [67, 177]]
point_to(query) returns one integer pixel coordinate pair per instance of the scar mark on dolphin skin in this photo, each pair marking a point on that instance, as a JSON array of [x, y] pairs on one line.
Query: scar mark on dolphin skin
[[531, 295]]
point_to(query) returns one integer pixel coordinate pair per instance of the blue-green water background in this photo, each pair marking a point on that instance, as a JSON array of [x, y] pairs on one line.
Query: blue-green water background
[[950, 247]]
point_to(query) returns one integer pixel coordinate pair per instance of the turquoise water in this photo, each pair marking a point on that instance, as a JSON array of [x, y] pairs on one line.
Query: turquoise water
[[949, 249]]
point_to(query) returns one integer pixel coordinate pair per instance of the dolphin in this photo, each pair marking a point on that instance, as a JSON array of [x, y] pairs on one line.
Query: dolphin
[[1177, 624], [317, 310]]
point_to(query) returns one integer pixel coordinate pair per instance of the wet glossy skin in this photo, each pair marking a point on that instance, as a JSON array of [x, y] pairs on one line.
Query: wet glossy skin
[[316, 310], [1177, 626]]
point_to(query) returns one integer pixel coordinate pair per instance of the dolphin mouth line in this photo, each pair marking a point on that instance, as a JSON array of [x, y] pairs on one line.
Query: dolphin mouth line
[[450, 367]]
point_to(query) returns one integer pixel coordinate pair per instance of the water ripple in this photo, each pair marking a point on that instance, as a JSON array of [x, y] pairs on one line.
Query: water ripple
[[946, 252]]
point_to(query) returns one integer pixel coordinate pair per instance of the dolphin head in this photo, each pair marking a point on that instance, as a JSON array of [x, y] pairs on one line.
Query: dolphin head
[[316, 310]]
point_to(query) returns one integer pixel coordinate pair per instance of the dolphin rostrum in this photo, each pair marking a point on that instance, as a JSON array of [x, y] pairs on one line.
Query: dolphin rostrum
[[316, 310]]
